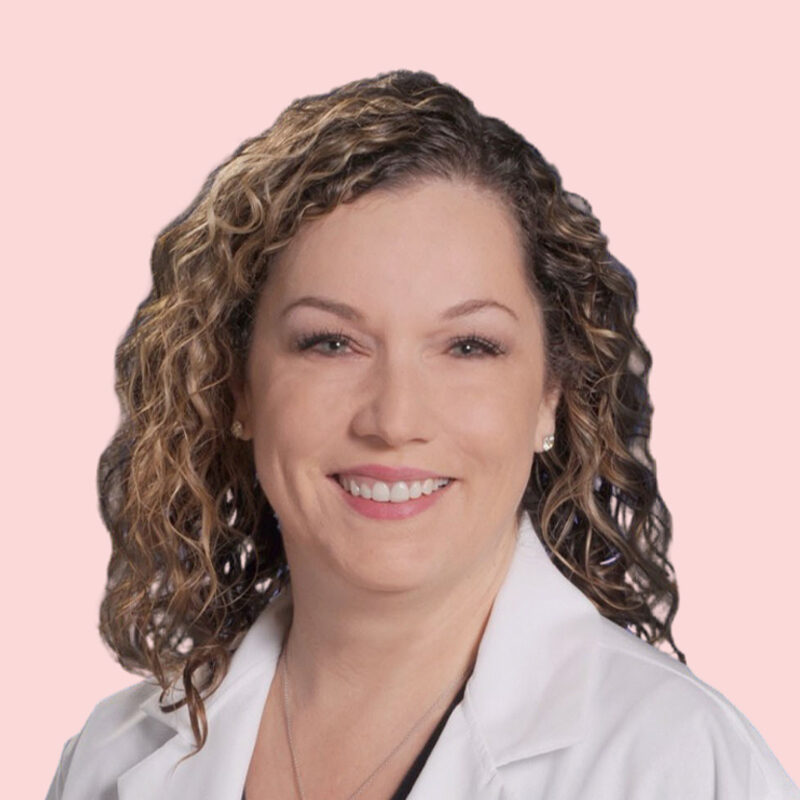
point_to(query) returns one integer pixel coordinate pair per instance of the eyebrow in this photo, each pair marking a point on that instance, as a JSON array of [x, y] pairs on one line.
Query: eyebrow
[[348, 312]]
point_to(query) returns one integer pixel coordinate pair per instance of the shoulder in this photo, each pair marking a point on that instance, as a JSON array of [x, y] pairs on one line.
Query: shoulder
[[652, 711], [115, 735]]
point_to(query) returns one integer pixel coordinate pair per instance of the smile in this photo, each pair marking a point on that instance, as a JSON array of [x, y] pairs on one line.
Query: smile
[[382, 492], [397, 500]]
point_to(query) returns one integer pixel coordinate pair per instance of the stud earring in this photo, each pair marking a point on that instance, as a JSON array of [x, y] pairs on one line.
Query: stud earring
[[548, 442], [236, 429]]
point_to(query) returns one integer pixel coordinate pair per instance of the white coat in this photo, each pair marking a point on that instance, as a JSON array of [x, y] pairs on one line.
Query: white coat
[[562, 704]]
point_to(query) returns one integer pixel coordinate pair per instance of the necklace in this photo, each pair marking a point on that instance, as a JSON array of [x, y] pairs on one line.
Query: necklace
[[368, 780]]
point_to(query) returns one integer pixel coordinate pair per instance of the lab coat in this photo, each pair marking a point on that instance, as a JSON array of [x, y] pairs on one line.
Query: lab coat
[[562, 704]]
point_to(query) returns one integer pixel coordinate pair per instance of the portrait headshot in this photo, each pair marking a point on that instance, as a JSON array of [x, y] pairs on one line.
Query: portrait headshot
[[383, 508], [384, 518]]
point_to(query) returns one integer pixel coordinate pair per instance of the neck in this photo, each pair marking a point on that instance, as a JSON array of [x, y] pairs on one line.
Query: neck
[[347, 645]]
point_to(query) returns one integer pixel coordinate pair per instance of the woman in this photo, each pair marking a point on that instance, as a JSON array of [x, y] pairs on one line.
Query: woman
[[384, 519]]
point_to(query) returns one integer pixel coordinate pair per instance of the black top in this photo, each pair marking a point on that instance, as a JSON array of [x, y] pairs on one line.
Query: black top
[[404, 789]]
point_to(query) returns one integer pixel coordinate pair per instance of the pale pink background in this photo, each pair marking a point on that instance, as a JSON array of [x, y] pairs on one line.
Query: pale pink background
[[675, 121]]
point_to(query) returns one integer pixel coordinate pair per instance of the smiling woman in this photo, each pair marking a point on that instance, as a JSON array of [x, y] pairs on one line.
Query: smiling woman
[[385, 523], [427, 285]]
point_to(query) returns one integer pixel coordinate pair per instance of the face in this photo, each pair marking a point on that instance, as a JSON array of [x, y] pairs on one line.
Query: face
[[389, 365]]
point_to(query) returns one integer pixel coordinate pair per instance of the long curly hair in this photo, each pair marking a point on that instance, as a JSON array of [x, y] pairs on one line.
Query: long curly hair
[[196, 549]]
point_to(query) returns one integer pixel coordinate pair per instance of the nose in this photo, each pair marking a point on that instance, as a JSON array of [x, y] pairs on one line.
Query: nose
[[394, 403]]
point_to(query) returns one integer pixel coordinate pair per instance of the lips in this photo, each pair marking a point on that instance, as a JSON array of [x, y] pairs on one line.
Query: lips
[[387, 509]]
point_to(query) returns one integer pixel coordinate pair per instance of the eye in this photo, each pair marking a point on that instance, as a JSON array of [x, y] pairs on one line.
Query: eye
[[307, 341], [485, 347]]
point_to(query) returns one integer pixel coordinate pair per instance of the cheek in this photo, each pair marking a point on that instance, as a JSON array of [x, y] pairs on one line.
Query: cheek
[[294, 417], [497, 415]]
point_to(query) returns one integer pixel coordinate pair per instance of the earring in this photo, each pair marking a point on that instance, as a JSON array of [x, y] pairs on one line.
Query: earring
[[236, 429], [548, 442]]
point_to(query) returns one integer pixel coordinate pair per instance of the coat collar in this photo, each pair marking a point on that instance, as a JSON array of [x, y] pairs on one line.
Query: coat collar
[[528, 693], [532, 681]]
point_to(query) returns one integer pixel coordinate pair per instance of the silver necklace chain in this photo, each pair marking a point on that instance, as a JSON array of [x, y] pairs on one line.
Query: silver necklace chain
[[368, 780]]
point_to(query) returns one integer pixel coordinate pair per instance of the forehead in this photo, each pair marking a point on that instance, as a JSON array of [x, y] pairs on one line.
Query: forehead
[[424, 244]]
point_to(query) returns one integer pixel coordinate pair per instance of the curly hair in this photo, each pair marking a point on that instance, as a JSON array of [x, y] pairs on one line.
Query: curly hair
[[197, 552]]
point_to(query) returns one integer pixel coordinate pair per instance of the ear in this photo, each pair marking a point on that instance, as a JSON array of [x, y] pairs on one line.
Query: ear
[[546, 418], [242, 406]]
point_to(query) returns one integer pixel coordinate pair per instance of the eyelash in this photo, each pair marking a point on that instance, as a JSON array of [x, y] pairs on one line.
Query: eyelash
[[490, 346]]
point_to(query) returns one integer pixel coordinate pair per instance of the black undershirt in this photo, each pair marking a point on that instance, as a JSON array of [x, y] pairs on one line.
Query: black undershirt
[[404, 789]]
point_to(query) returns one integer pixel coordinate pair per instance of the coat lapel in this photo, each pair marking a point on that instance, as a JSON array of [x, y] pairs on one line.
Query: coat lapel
[[234, 711], [532, 682], [529, 692], [528, 695]]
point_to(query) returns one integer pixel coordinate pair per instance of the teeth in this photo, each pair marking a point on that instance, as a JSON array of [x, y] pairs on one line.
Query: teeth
[[398, 492]]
